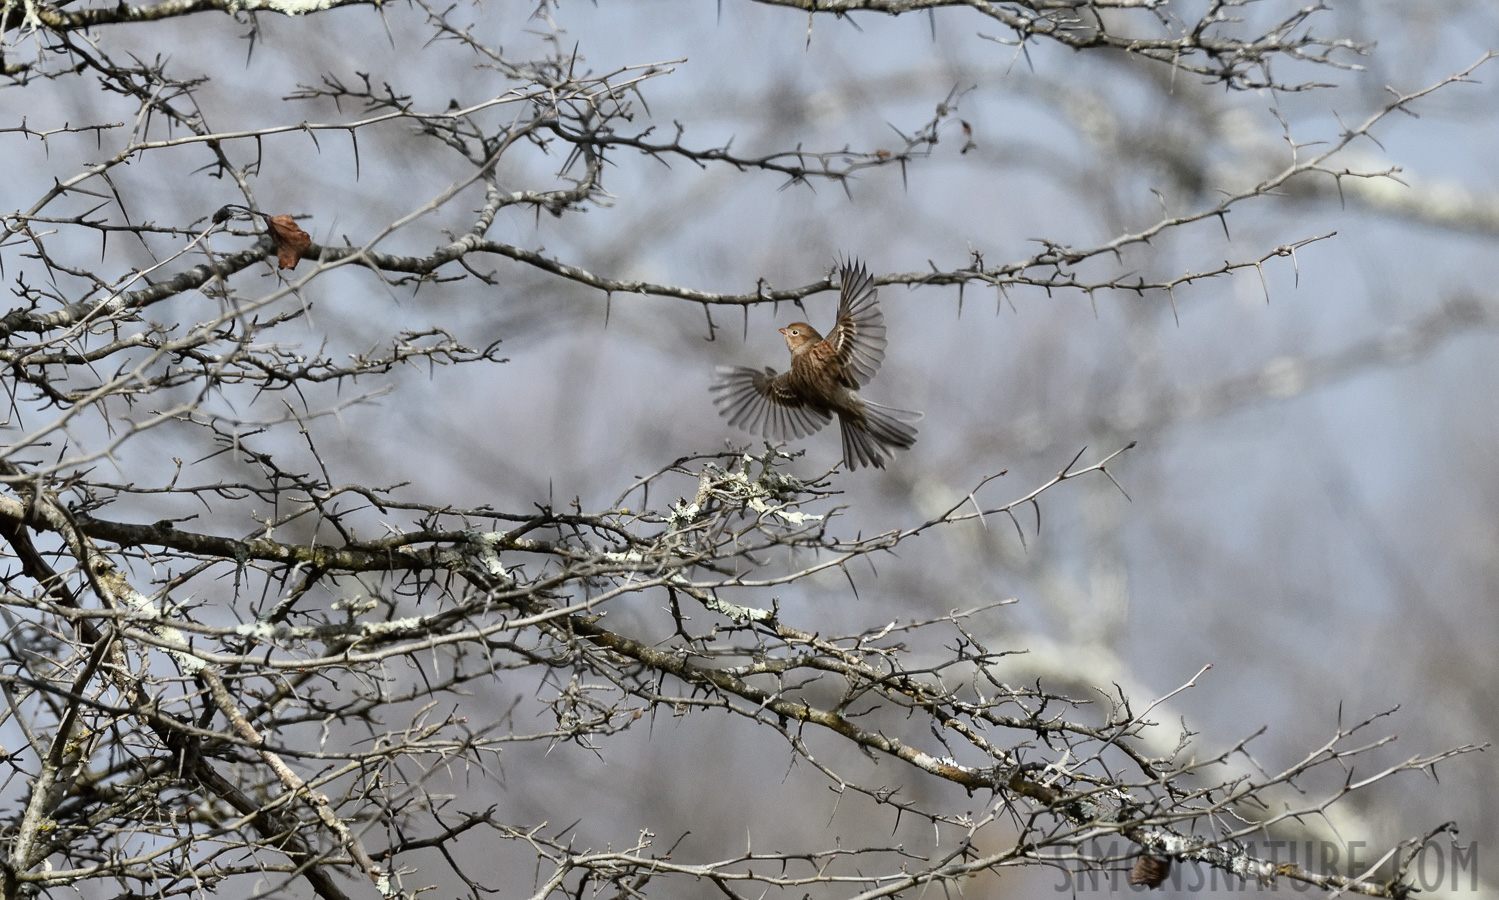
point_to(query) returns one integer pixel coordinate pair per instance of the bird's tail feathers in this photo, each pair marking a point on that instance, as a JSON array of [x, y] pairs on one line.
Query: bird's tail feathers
[[875, 439], [904, 415]]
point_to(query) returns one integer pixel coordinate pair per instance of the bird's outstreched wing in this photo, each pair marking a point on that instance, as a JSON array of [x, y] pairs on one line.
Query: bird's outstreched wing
[[859, 335], [762, 402]]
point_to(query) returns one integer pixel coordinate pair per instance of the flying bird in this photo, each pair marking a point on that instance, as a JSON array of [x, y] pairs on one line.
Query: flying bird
[[823, 381]]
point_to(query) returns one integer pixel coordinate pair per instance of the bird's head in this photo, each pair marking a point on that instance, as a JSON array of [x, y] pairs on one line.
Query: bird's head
[[800, 334]]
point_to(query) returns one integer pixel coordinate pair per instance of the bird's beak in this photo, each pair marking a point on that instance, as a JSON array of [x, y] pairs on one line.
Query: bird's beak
[[783, 331]]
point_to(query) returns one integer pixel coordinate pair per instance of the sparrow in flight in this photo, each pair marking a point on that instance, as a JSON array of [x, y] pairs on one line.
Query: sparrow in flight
[[823, 381]]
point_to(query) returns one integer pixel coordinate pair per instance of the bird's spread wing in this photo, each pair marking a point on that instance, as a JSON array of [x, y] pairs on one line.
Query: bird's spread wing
[[859, 336], [763, 403]]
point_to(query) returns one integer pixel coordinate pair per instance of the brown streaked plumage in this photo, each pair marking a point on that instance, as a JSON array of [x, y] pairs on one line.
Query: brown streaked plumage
[[823, 381]]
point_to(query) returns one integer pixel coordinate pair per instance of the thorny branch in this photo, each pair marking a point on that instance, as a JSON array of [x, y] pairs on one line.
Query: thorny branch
[[537, 592]]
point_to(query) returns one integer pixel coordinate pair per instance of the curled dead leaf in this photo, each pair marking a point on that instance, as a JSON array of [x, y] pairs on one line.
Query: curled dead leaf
[[289, 240], [1150, 871]]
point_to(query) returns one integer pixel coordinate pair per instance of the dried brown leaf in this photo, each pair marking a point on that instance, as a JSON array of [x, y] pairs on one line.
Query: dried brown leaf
[[1150, 871], [290, 240]]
